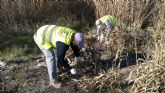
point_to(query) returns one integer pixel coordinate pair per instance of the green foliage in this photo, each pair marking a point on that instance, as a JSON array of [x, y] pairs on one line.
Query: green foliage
[[21, 44]]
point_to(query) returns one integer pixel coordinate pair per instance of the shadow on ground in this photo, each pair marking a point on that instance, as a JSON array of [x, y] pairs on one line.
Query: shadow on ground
[[123, 61]]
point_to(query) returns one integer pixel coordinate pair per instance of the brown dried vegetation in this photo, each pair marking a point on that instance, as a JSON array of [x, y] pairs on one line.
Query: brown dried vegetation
[[141, 30]]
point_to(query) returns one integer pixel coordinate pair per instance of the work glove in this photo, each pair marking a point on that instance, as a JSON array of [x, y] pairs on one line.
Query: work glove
[[79, 59], [73, 71]]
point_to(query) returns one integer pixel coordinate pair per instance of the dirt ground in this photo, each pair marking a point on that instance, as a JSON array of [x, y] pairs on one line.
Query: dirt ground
[[27, 77], [24, 75]]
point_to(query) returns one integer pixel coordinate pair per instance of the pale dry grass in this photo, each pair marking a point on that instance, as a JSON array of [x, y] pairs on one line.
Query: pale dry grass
[[149, 76], [132, 16], [35, 13]]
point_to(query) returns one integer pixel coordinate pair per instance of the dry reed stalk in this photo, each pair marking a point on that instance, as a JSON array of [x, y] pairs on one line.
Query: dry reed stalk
[[149, 77], [130, 15]]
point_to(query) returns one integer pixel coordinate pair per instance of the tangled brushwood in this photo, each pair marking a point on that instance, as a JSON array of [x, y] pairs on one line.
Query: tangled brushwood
[[130, 60], [148, 77]]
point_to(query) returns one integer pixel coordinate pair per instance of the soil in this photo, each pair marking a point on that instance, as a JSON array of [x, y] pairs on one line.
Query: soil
[[25, 75]]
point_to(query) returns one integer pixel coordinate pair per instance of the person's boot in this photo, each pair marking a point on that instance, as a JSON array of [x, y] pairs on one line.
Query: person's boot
[[55, 84]]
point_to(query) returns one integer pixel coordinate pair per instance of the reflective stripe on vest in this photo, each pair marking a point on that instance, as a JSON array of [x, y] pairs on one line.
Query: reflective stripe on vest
[[44, 34], [48, 35], [63, 34], [51, 35]]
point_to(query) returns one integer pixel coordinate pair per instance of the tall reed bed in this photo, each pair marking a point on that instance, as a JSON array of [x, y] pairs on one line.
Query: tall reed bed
[[21, 14], [132, 15], [129, 13], [149, 77], [144, 16]]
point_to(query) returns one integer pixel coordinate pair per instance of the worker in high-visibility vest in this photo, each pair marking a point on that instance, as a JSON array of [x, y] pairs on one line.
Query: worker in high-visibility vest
[[106, 22], [54, 41]]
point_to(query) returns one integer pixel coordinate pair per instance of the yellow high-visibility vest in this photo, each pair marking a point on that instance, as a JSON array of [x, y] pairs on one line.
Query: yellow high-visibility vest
[[48, 35], [109, 18]]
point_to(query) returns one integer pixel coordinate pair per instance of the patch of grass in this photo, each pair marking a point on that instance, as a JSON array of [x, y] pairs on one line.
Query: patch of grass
[[21, 44]]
